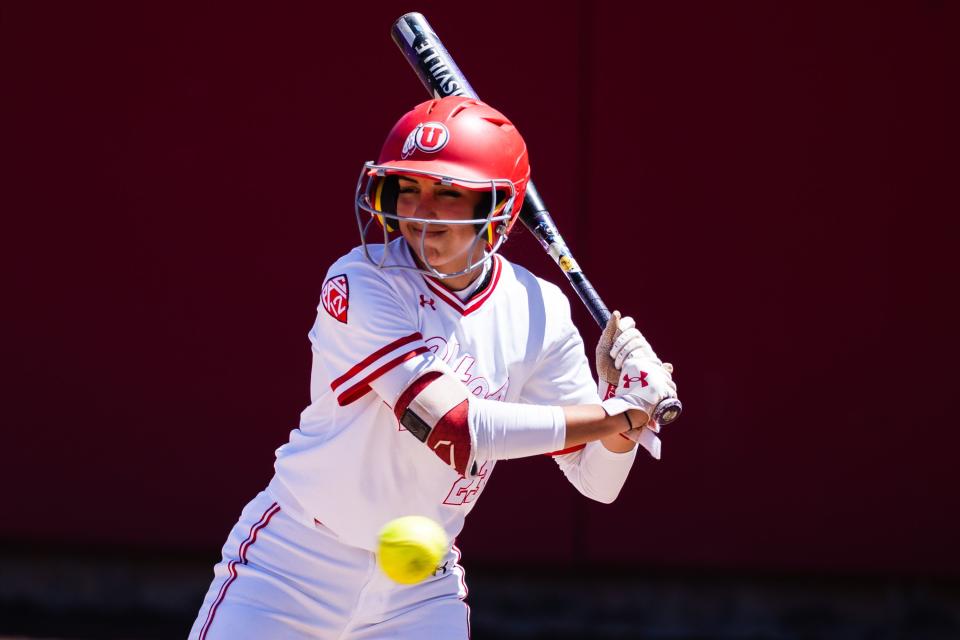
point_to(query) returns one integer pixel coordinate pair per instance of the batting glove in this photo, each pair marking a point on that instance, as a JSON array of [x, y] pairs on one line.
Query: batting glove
[[642, 385], [620, 340]]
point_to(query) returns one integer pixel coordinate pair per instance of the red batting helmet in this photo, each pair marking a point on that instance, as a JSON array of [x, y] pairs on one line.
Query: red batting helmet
[[457, 140]]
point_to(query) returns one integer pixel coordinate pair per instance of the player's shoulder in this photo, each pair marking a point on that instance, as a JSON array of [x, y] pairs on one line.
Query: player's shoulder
[[360, 265], [356, 290], [553, 296], [356, 287], [356, 260]]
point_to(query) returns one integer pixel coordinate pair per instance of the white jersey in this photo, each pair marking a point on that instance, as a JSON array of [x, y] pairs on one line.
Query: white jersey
[[350, 465]]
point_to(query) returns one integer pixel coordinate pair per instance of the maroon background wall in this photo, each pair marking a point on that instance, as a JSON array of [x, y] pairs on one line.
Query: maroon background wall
[[761, 185]]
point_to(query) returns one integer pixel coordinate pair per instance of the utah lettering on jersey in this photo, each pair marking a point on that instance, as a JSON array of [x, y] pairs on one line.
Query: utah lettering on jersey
[[463, 367]]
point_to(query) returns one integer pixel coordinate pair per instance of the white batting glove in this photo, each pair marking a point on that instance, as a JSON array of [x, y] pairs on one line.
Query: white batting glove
[[628, 341], [620, 340], [643, 383]]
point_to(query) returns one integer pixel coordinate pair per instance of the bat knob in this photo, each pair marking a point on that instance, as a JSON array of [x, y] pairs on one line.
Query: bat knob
[[667, 411]]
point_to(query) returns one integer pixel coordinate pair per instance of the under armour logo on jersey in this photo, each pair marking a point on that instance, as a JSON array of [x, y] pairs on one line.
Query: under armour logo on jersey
[[424, 302], [642, 379], [428, 137], [335, 297]]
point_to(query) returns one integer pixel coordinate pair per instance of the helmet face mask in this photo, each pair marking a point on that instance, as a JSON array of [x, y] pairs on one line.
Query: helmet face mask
[[451, 141], [491, 225]]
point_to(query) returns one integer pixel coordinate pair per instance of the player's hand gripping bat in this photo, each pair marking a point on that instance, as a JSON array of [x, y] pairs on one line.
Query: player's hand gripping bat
[[441, 77]]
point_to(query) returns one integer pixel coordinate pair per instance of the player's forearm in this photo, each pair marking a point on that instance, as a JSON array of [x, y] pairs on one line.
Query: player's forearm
[[461, 429], [506, 430], [589, 422]]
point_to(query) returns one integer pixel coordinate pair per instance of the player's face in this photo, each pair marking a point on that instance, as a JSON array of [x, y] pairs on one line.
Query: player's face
[[446, 247]]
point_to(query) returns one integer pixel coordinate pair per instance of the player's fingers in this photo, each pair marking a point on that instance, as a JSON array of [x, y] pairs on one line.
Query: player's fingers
[[626, 323], [623, 338], [668, 367], [621, 354], [638, 350], [617, 351], [628, 343]]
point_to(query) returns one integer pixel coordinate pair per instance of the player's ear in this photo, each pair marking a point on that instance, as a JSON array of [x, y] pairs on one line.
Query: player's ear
[[385, 195]]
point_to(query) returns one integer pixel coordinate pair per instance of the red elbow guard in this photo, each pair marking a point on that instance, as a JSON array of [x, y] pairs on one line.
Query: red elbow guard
[[435, 408]]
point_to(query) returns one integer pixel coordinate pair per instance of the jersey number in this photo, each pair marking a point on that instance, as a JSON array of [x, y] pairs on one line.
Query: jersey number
[[466, 490]]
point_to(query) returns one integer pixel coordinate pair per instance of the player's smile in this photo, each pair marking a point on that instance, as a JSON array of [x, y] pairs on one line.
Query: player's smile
[[433, 230]]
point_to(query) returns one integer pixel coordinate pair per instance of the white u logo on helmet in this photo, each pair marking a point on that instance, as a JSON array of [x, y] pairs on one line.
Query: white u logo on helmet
[[429, 137]]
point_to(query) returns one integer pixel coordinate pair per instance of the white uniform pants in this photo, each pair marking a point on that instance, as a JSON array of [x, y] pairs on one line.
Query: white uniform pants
[[281, 579]]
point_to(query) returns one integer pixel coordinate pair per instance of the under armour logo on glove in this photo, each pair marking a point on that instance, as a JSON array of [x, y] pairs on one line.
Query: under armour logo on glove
[[424, 302], [642, 379]]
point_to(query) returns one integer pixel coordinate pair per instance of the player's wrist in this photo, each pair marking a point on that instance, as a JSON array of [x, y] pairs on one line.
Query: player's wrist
[[636, 420], [589, 422], [621, 405]]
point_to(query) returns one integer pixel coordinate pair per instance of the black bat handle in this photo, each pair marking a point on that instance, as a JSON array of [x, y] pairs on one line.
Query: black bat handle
[[535, 215]]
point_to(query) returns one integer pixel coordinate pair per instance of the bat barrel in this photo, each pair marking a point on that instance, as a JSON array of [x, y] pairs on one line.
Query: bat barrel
[[429, 58]]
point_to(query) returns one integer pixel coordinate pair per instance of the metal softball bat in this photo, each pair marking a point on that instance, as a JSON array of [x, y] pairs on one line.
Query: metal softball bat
[[442, 77]]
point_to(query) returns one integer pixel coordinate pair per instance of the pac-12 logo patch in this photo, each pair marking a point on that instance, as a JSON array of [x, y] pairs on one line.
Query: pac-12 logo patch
[[335, 297], [429, 137]]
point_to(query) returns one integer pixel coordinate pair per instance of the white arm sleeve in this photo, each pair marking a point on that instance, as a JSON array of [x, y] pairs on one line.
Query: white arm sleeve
[[462, 430], [597, 472], [507, 430]]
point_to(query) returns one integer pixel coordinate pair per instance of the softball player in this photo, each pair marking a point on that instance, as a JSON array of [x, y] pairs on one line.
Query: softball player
[[433, 358]]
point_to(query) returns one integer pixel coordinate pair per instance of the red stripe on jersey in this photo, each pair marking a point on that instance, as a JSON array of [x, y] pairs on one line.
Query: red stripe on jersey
[[413, 391], [450, 439], [567, 450], [479, 300], [473, 303], [463, 583], [373, 357], [443, 295], [360, 389], [264, 520]]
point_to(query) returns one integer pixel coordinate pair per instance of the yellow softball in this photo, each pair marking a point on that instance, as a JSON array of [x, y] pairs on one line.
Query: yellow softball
[[410, 548]]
